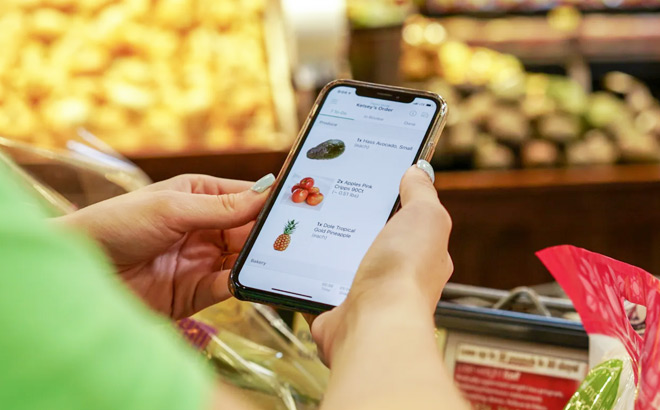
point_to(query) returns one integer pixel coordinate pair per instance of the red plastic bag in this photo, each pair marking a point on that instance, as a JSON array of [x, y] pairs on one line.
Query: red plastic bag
[[598, 287]]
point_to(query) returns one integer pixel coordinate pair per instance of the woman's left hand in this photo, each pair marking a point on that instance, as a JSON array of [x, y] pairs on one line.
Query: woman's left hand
[[174, 242]]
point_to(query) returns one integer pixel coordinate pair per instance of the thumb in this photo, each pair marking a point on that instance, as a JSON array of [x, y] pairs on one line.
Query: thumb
[[417, 184], [199, 211]]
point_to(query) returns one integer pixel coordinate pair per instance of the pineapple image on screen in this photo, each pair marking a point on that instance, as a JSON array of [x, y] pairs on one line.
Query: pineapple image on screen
[[282, 242]]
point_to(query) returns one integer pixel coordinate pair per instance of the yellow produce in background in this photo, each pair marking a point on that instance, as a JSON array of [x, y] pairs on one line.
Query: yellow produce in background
[[502, 116], [140, 74]]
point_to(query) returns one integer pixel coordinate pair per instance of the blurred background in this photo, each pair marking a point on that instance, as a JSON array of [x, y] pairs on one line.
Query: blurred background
[[553, 134]]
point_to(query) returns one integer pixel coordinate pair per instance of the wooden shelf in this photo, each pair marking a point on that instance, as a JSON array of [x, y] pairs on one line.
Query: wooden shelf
[[238, 164], [251, 163], [547, 178], [501, 218], [198, 152], [535, 41]]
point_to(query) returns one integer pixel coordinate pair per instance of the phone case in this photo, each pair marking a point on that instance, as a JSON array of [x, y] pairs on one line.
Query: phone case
[[243, 293]]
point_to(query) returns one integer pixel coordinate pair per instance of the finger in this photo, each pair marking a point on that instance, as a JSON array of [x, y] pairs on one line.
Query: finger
[[209, 185], [235, 238], [200, 184], [188, 212], [229, 261], [416, 185], [309, 318], [320, 337], [212, 289]]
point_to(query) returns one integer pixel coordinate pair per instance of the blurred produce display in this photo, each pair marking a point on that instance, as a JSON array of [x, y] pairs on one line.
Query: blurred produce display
[[503, 117], [141, 74], [378, 13], [490, 6], [556, 37]]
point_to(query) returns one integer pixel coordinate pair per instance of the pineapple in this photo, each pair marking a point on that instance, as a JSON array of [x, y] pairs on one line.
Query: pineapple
[[282, 242]]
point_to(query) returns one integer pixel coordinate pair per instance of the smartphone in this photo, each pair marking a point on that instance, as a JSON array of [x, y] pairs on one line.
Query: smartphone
[[335, 192]]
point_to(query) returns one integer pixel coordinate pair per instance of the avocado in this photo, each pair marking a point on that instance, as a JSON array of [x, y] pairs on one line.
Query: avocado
[[327, 150]]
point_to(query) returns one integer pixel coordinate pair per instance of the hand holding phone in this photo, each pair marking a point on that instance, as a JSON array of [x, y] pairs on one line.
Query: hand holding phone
[[335, 193], [407, 265]]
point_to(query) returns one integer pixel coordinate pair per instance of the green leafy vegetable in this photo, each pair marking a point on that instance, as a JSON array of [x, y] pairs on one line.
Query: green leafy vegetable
[[599, 389]]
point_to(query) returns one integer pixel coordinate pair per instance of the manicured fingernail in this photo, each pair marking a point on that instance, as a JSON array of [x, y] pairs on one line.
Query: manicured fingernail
[[263, 184], [426, 167]]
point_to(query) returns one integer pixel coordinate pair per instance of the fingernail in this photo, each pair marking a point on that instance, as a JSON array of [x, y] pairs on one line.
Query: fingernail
[[426, 167], [263, 184]]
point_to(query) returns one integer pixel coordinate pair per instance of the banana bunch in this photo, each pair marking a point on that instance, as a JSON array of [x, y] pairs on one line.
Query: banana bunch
[[141, 74]]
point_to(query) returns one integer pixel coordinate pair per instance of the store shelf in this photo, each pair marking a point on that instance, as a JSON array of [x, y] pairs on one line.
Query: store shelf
[[548, 178], [250, 164], [493, 9], [502, 217], [237, 164], [535, 41]]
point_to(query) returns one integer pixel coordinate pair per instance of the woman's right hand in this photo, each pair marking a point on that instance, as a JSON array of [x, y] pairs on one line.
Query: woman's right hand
[[407, 265]]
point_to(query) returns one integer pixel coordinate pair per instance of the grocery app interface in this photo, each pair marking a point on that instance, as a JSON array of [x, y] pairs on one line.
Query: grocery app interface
[[337, 196]]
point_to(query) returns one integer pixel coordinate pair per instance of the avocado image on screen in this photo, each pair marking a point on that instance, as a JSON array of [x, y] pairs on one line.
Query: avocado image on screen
[[327, 150]]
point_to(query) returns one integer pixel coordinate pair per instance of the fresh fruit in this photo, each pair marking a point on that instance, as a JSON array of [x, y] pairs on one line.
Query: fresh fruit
[[307, 183], [327, 150], [299, 195], [282, 242], [314, 199], [306, 191]]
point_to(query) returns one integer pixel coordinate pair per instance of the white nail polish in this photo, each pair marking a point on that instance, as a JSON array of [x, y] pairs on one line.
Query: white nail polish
[[426, 167], [264, 183]]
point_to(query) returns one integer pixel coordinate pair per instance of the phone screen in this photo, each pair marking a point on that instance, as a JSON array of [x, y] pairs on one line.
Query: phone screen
[[337, 195]]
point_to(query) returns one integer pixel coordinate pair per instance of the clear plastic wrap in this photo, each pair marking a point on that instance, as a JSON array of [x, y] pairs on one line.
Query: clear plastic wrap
[[252, 348], [86, 171]]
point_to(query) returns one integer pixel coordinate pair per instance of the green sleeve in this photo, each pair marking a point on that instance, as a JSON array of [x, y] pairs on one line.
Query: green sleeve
[[72, 336]]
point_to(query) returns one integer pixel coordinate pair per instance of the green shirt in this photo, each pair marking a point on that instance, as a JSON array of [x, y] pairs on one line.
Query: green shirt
[[71, 335]]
